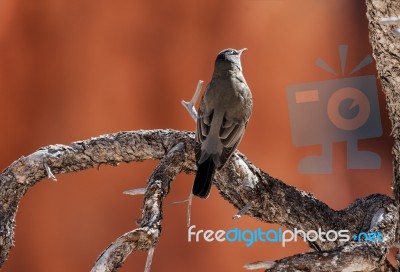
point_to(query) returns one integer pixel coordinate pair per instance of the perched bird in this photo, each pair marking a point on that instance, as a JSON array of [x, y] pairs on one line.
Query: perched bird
[[224, 111]]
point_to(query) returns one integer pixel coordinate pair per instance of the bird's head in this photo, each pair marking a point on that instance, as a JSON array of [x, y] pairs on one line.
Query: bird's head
[[229, 56]]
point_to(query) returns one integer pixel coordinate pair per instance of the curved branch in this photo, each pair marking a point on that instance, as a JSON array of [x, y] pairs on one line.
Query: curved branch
[[148, 234], [109, 149], [354, 256], [239, 182]]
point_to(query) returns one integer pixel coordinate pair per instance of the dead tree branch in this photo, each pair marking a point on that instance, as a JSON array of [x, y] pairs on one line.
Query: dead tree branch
[[147, 235], [383, 17], [240, 182], [386, 51]]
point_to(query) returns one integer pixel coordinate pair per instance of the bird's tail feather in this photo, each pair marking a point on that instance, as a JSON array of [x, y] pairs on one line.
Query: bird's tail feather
[[203, 180]]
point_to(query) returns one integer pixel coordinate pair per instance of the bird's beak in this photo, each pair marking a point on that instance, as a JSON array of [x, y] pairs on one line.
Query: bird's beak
[[241, 51]]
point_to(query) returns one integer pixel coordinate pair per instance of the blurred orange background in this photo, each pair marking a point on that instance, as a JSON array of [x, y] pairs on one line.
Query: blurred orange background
[[71, 70]]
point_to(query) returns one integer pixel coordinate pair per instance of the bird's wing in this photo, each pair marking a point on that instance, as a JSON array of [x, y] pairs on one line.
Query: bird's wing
[[202, 130], [231, 134]]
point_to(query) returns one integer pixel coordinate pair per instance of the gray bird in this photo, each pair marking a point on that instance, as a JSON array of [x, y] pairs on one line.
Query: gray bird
[[224, 111]]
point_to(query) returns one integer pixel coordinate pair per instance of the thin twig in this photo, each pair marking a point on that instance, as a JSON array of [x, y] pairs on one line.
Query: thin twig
[[259, 265], [150, 254], [189, 209], [49, 173], [137, 191], [189, 106], [243, 211]]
